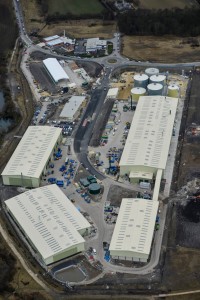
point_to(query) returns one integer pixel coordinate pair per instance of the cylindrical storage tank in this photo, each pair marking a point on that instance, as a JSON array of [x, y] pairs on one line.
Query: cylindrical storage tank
[[141, 80], [158, 79], [155, 89], [94, 188], [151, 71], [136, 92], [173, 91]]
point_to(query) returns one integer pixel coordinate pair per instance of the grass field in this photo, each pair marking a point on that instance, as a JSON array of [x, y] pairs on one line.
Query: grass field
[[158, 4], [159, 49], [75, 7]]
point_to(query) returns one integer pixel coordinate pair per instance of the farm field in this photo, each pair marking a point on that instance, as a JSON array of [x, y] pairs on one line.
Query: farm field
[[81, 28], [32, 15], [157, 4], [74, 7], [159, 49]]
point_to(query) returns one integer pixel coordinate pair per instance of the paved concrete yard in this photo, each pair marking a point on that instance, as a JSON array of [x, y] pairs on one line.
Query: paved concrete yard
[[114, 140]]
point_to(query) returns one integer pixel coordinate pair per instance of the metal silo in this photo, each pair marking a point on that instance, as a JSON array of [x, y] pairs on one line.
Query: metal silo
[[136, 92], [151, 71], [173, 91], [155, 89], [158, 79], [141, 80]]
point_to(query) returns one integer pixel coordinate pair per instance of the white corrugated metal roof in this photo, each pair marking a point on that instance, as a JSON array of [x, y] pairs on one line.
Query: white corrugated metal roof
[[55, 42], [135, 226], [71, 107], [50, 38], [150, 133], [33, 151], [55, 69], [49, 219]]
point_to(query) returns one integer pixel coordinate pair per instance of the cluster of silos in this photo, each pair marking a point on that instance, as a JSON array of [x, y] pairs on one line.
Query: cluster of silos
[[156, 85], [152, 83]]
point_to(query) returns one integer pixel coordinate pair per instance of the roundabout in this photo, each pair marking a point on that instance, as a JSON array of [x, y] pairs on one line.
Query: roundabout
[[112, 60]]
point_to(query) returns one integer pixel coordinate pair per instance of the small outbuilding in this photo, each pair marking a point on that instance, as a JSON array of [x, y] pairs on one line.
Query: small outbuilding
[[112, 93]]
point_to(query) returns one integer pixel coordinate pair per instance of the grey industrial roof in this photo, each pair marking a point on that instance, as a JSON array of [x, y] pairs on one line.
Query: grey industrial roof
[[71, 107]]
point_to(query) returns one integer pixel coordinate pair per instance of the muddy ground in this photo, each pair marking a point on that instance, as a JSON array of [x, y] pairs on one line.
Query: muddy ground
[[116, 193], [190, 154], [182, 256]]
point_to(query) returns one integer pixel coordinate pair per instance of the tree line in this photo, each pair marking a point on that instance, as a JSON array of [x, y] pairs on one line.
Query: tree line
[[106, 14], [180, 22]]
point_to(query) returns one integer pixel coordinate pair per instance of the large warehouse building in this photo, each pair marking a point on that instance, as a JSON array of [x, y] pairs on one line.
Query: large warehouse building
[[31, 157], [148, 142], [51, 224], [55, 71], [134, 229]]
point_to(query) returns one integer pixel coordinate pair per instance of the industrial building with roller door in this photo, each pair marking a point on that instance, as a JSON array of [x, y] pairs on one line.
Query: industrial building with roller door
[[146, 150], [49, 223], [134, 229], [32, 156]]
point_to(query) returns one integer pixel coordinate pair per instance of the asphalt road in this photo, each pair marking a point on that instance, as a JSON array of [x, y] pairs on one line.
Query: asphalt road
[[83, 134]]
